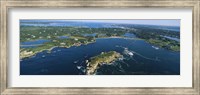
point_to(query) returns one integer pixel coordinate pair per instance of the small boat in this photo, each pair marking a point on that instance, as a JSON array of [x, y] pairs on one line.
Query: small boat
[[155, 47], [43, 55], [130, 53], [127, 52], [76, 61], [126, 48], [79, 67]]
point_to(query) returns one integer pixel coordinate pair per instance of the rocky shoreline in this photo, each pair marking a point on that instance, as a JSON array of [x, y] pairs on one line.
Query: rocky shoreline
[[104, 58], [26, 54]]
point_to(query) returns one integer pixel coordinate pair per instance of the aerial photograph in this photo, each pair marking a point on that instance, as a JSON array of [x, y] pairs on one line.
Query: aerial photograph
[[99, 47]]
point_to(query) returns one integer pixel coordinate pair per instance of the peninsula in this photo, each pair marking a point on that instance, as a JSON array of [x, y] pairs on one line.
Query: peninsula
[[60, 36]]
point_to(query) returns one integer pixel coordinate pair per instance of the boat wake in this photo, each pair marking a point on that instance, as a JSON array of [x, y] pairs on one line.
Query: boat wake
[[131, 53]]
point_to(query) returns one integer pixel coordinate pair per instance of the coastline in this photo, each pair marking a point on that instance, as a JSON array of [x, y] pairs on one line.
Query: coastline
[[79, 44], [49, 50]]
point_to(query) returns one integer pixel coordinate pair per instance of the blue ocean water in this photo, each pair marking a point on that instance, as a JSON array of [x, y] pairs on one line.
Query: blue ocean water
[[71, 61], [34, 43]]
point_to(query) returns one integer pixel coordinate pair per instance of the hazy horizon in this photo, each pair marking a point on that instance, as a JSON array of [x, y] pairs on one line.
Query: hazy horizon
[[116, 21]]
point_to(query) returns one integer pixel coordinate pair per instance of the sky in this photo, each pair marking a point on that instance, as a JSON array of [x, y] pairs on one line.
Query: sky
[[166, 22]]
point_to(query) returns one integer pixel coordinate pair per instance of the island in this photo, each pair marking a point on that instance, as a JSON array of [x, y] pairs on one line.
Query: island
[[105, 47], [104, 58]]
